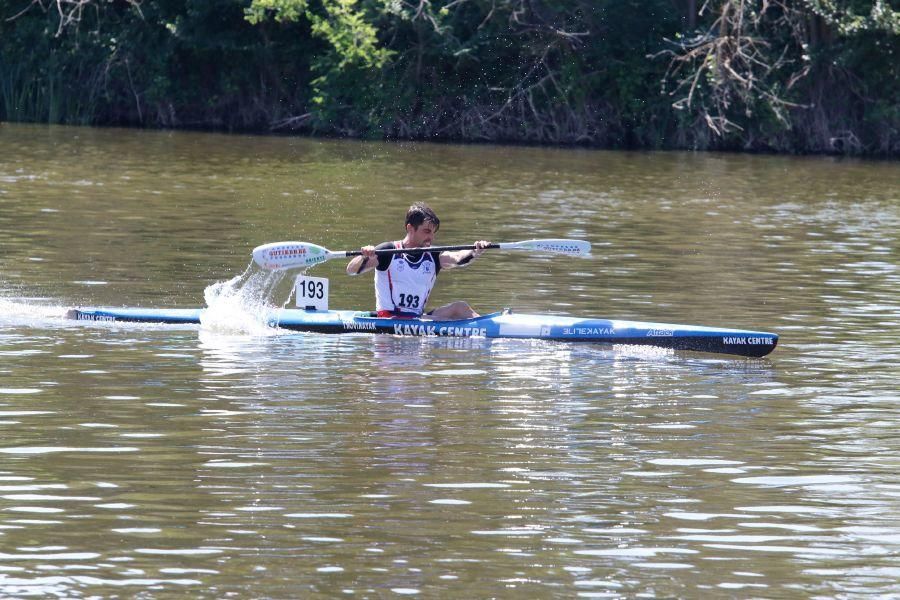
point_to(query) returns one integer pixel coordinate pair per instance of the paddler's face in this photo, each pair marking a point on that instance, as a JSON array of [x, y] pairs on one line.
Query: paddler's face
[[423, 236]]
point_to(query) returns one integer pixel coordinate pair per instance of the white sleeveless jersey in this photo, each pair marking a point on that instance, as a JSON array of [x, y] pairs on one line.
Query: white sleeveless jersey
[[406, 284]]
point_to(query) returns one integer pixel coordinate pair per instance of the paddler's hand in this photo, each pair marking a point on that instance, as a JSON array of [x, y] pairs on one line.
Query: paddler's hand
[[480, 247], [358, 264]]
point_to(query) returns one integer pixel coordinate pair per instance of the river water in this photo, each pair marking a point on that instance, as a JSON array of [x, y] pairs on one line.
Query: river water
[[227, 461]]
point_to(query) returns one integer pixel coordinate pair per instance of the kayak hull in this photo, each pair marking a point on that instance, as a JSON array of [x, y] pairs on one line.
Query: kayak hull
[[496, 325]]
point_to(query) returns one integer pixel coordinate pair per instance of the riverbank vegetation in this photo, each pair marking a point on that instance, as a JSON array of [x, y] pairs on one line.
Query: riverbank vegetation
[[769, 75]]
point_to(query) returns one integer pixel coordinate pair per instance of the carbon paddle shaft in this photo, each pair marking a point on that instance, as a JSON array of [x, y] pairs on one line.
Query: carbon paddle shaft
[[414, 250]]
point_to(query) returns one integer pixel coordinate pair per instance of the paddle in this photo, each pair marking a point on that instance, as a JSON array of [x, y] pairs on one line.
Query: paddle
[[279, 256]]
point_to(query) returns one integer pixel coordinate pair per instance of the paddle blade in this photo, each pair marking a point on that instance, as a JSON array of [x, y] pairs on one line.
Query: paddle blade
[[278, 256], [567, 247]]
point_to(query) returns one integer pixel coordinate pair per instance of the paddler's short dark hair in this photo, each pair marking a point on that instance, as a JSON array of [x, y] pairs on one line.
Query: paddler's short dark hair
[[420, 212]]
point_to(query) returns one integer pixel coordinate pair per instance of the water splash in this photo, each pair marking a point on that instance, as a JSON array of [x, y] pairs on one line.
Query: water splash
[[243, 304], [23, 311]]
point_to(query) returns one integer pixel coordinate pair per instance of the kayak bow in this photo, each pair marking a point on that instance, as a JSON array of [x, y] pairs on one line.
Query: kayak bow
[[496, 325]]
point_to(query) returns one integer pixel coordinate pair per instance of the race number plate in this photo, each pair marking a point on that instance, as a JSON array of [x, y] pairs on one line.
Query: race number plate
[[311, 292]]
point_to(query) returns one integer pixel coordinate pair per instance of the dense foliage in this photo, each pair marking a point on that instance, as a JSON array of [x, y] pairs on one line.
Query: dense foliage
[[782, 75]]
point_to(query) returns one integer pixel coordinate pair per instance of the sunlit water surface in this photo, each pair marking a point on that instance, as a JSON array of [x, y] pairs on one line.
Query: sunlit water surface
[[232, 460]]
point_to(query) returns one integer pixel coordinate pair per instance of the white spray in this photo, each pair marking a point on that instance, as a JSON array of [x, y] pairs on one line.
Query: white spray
[[243, 304]]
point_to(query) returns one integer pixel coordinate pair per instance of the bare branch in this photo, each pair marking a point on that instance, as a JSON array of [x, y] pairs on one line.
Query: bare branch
[[732, 66], [70, 11]]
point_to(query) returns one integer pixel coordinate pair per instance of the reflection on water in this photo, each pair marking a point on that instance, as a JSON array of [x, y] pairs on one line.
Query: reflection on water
[[148, 459]]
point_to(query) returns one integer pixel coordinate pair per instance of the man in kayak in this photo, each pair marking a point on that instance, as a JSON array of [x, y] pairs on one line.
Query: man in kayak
[[403, 282]]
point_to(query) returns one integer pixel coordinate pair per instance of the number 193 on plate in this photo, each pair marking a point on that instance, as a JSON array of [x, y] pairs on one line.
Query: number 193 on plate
[[311, 292]]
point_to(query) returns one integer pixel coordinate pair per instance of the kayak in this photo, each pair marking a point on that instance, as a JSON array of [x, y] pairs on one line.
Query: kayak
[[505, 324]]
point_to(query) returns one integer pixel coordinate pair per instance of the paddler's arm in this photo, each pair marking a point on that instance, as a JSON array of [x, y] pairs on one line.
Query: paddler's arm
[[461, 258], [361, 264]]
